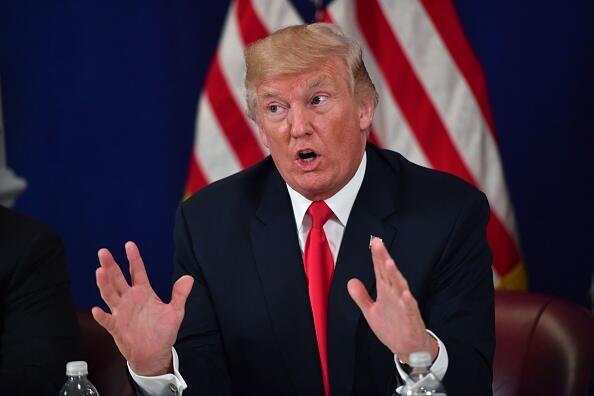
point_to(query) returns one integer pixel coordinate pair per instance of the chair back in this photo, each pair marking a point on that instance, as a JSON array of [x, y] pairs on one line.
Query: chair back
[[545, 345]]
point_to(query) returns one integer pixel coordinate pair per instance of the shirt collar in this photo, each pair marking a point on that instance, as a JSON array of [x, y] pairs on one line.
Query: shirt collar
[[341, 203]]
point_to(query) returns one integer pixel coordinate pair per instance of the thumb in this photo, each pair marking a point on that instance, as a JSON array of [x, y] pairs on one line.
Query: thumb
[[359, 295], [103, 318], [181, 291]]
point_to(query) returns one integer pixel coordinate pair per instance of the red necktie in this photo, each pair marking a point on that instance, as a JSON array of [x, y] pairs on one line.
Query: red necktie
[[319, 267]]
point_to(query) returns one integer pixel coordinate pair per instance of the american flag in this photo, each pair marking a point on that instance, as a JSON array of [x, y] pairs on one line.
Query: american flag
[[433, 105]]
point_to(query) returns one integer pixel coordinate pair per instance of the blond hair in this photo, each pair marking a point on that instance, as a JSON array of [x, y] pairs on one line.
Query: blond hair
[[302, 48]]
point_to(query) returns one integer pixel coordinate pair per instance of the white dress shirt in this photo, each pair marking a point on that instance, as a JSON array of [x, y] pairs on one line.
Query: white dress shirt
[[341, 204]]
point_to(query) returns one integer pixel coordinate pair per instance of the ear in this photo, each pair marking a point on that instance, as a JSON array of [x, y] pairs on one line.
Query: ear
[[366, 110]]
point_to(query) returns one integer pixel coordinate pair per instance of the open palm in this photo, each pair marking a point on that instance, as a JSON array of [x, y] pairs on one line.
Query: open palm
[[143, 327], [394, 316]]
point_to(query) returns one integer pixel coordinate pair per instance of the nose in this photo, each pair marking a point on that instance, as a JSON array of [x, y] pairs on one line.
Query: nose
[[300, 122]]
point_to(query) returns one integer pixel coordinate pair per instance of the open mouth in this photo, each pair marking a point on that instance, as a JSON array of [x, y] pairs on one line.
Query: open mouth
[[307, 155]]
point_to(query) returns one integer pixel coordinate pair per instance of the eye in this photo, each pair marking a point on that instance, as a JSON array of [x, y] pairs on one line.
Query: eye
[[319, 99], [275, 110]]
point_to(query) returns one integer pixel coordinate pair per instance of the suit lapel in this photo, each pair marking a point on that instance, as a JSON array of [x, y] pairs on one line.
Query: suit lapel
[[370, 215], [280, 266]]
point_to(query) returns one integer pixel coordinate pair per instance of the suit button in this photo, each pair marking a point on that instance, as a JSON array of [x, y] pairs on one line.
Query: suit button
[[173, 389]]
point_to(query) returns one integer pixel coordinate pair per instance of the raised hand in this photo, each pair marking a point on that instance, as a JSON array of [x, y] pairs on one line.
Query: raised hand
[[144, 327], [394, 316]]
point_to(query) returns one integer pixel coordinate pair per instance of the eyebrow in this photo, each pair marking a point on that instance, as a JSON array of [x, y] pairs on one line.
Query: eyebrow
[[271, 94], [319, 81]]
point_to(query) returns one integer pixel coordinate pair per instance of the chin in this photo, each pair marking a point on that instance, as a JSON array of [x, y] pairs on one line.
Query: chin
[[314, 184], [316, 192]]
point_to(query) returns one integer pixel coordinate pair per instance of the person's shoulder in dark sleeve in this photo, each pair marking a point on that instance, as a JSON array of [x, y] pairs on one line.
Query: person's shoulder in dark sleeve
[[38, 326]]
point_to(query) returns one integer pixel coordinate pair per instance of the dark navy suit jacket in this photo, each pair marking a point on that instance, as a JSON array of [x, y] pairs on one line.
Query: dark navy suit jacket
[[248, 327], [38, 326]]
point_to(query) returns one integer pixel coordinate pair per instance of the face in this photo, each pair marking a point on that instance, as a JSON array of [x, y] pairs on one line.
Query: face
[[314, 127]]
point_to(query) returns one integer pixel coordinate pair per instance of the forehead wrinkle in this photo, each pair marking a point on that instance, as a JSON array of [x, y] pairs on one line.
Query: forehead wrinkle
[[265, 91]]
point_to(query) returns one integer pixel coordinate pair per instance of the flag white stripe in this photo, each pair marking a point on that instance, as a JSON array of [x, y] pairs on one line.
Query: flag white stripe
[[392, 129], [212, 150], [233, 66], [276, 14], [453, 100]]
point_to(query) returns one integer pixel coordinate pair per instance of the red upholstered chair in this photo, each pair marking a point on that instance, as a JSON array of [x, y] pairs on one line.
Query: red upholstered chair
[[107, 367], [545, 346]]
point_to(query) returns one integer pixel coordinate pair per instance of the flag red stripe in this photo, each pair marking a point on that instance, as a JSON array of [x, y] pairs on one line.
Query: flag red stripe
[[445, 19], [325, 16], [412, 98], [230, 117], [196, 179], [250, 26], [425, 122]]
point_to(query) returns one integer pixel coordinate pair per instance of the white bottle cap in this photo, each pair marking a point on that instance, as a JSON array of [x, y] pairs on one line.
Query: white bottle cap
[[76, 368], [419, 359]]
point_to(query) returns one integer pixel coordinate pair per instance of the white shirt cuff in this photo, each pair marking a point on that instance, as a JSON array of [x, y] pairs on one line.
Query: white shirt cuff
[[161, 385], [440, 365]]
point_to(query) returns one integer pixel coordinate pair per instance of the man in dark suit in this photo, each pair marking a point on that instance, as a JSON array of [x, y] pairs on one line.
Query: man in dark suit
[[254, 321], [38, 327]]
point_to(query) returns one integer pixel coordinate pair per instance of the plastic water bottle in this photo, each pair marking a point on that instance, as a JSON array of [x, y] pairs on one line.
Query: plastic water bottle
[[77, 383], [421, 381]]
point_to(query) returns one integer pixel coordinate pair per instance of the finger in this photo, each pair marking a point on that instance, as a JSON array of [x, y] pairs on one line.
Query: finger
[[137, 271], [376, 257], [106, 289], [383, 264], [359, 294], [397, 280], [114, 271], [181, 290], [103, 318], [391, 275]]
